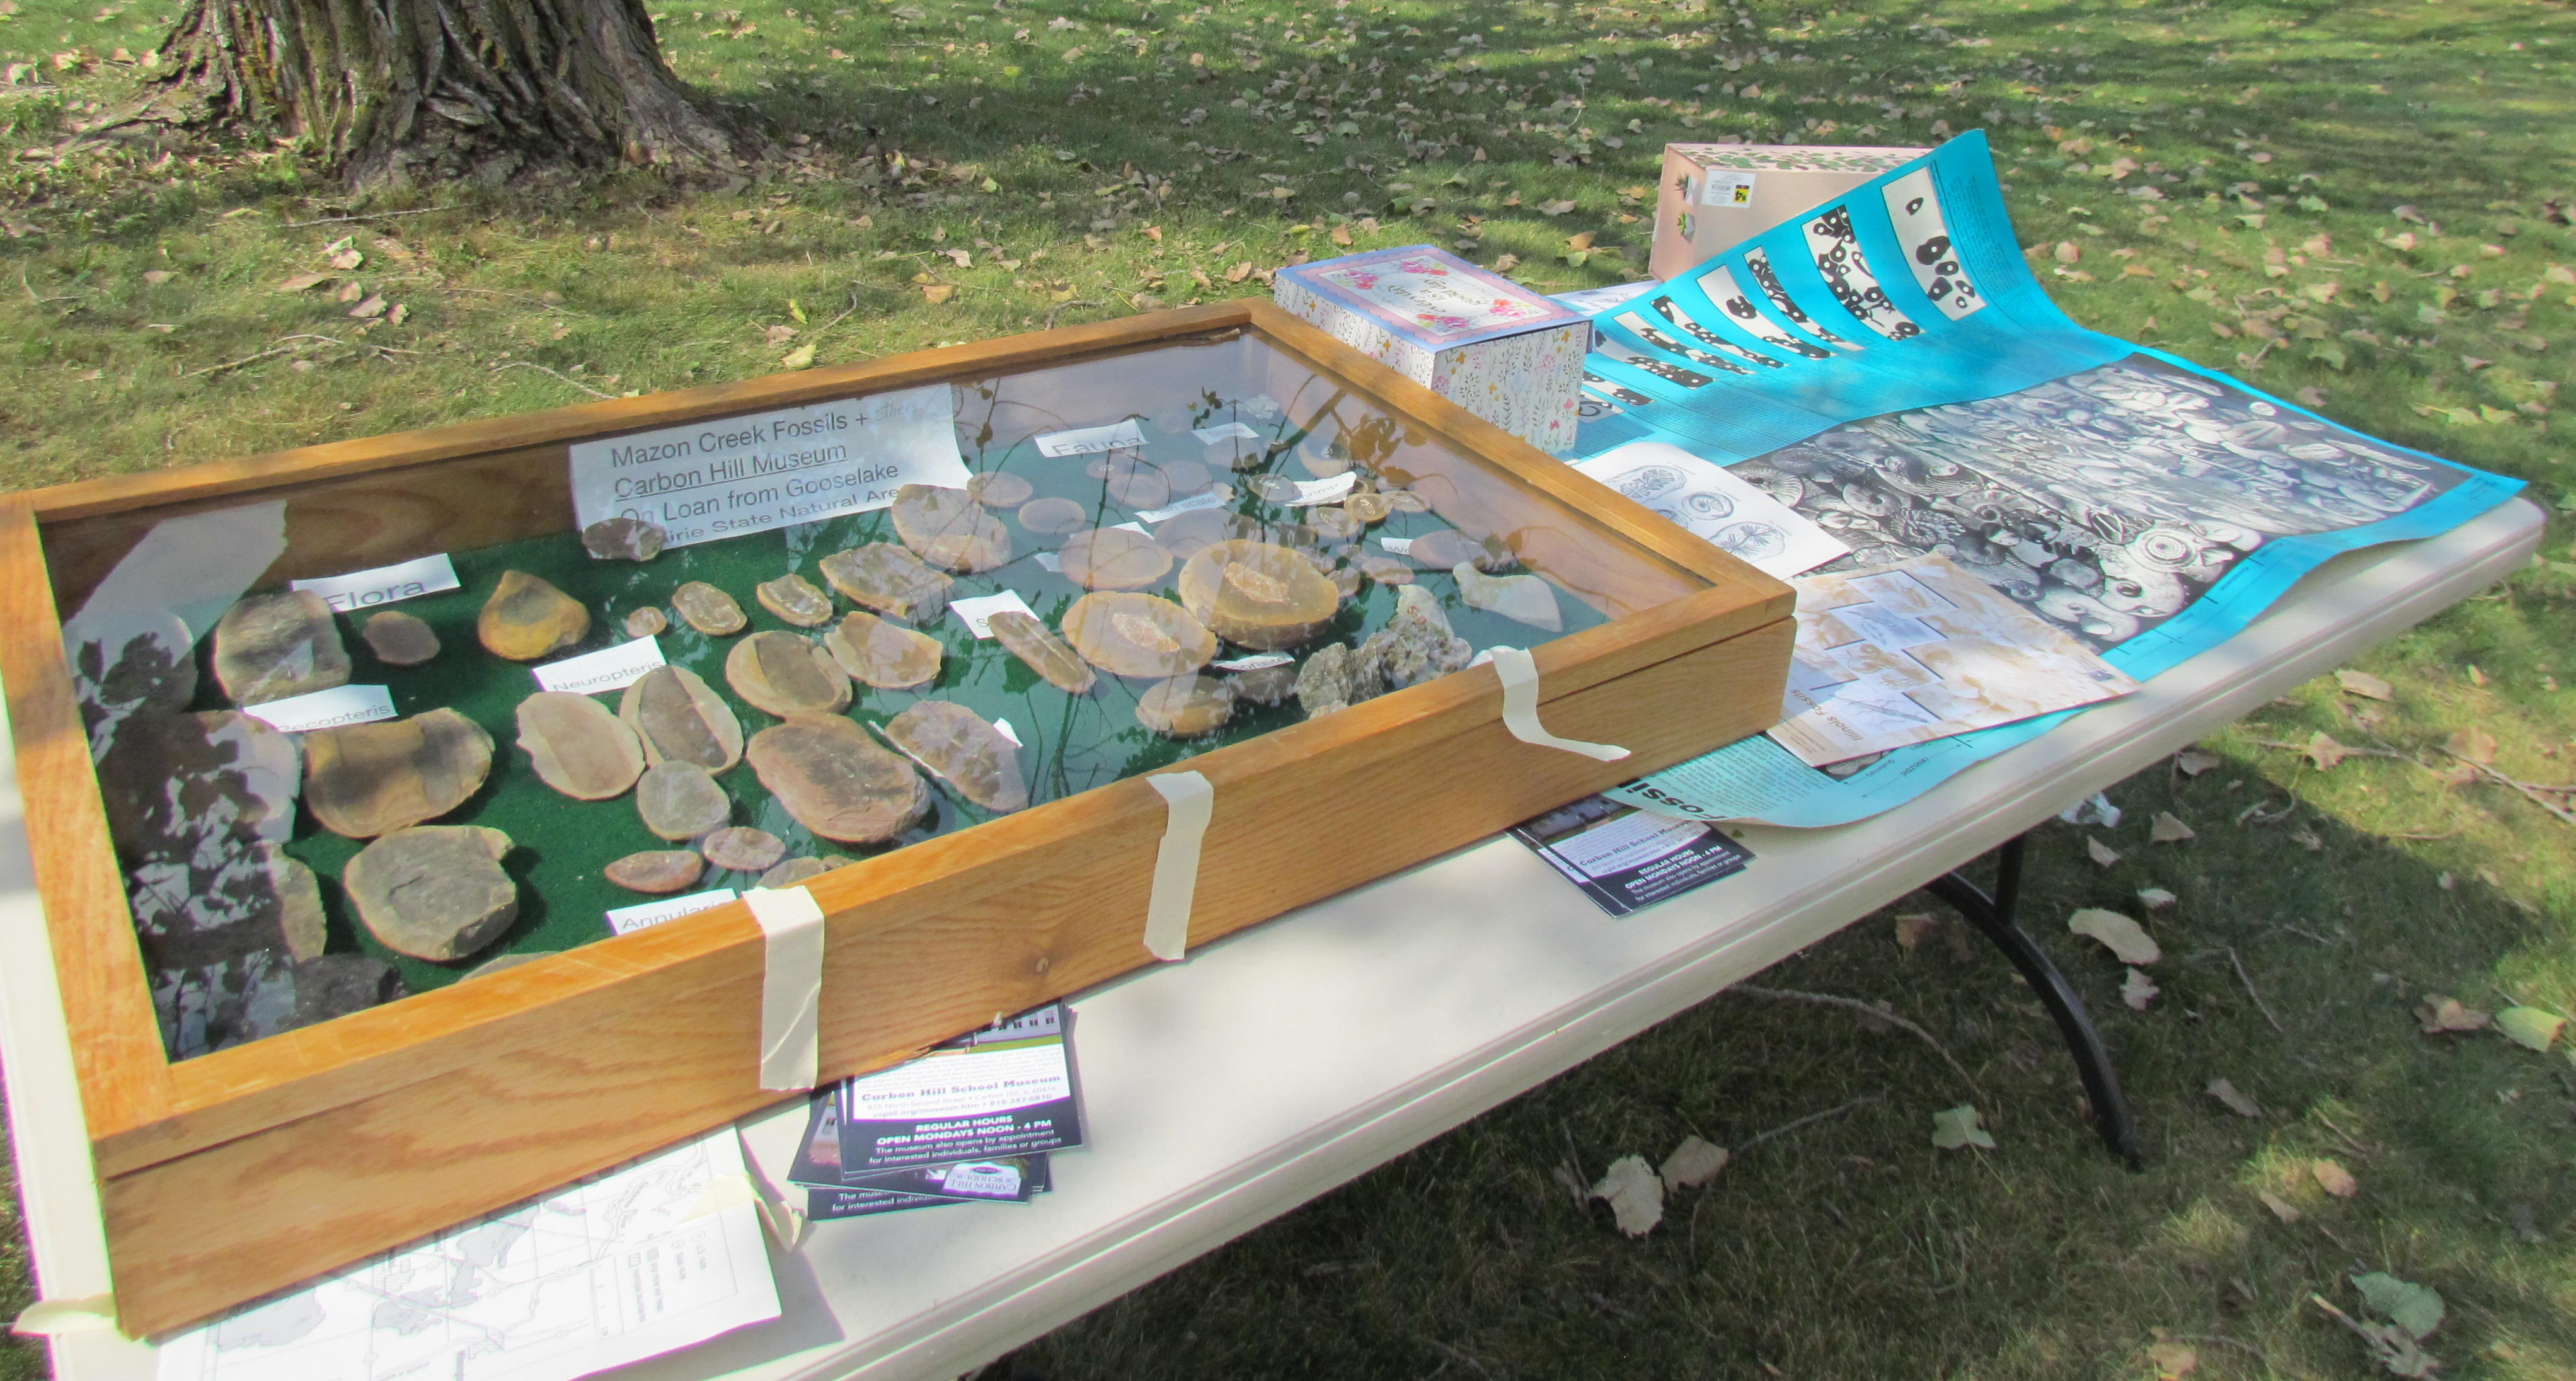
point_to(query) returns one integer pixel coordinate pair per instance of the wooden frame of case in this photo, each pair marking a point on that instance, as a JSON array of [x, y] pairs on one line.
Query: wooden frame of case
[[239, 1172]]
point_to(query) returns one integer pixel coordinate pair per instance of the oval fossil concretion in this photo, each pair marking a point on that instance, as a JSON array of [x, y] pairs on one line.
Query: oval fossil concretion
[[1054, 517], [709, 610], [646, 622], [526, 618], [996, 489], [948, 529], [964, 750], [1185, 535], [434, 892], [680, 800], [888, 579], [1258, 595], [363, 780], [678, 715], [794, 598], [885, 655], [1045, 653], [1368, 509], [1186, 706], [399, 639], [577, 746], [270, 647], [1112, 558], [1133, 482], [656, 871], [1128, 634], [623, 539], [786, 675], [742, 849], [1386, 570], [836, 781], [1448, 547]]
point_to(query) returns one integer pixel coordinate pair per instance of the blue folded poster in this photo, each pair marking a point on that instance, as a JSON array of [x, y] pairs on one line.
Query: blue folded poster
[[1887, 365]]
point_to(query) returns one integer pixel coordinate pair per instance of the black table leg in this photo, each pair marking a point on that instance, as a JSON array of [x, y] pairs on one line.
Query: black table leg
[[1993, 916]]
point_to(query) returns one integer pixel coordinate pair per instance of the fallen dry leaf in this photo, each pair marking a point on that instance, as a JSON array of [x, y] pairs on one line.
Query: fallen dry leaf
[[2364, 684], [801, 357], [2194, 761], [1953, 1128], [2324, 751], [1239, 272], [936, 293], [2333, 1178], [303, 281], [2445, 1016], [2459, 774], [2173, 1361], [2100, 852], [1635, 1194], [2122, 936], [370, 308], [2472, 744], [1692, 1164], [1555, 208], [1581, 241], [2529, 1027], [2226, 1092], [347, 259], [2138, 990], [400, 314], [1910, 929], [1342, 235], [2068, 252], [157, 277], [2155, 898], [2281, 1208], [2169, 829]]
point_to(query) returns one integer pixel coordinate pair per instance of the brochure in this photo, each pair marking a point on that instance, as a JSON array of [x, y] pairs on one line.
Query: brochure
[[1003, 1091], [1624, 858]]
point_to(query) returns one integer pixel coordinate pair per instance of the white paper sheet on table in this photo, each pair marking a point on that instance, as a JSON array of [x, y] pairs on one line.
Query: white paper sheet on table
[[1727, 512], [644, 1259], [1919, 650]]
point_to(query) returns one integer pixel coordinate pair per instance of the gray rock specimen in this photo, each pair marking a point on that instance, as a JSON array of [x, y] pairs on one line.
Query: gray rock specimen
[[742, 849], [1448, 547], [363, 780], [886, 655], [336, 985], [1386, 570], [801, 870], [786, 675], [794, 598], [1416, 645], [623, 539], [963, 749], [1524, 598], [836, 781], [501, 963], [577, 746], [890, 580], [399, 639], [676, 714], [1335, 678], [270, 647], [656, 872], [948, 529], [434, 892], [1264, 685], [680, 800], [709, 610], [526, 618]]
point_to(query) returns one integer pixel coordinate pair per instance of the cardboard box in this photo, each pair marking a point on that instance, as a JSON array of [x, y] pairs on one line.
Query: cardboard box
[[1716, 196], [1472, 336]]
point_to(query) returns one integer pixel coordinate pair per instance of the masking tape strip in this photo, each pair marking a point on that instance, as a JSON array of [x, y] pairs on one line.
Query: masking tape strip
[[791, 986], [1520, 708], [1190, 801], [52, 1318]]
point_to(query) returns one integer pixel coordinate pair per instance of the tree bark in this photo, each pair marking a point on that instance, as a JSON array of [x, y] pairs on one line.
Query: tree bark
[[398, 93]]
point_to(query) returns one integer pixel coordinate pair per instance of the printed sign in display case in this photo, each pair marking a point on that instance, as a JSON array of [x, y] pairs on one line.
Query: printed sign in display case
[[412, 814]]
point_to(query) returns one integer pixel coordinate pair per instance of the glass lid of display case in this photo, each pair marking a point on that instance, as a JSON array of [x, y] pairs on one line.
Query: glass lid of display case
[[746, 650]]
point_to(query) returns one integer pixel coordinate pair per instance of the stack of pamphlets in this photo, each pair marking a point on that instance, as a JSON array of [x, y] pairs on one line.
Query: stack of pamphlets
[[973, 1121]]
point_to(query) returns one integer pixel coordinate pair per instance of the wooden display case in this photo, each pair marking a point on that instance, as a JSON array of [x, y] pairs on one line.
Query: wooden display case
[[247, 1169]]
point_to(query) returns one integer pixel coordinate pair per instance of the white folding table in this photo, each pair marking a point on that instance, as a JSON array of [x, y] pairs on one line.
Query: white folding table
[[1274, 1065]]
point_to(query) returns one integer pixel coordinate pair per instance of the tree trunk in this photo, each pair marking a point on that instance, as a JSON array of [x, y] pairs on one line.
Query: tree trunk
[[399, 93]]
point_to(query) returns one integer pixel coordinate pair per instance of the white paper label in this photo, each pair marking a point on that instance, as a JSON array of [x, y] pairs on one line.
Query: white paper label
[[1255, 662], [1401, 546], [1727, 187], [1227, 431], [366, 589], [1137, 528], [324, 709], [1087, 441], [999, 1181], [1192, 504], [1631, 841], [964, 1083], [1334, 490], [763, 470], [1003, 727], [608, 669], [977, 613], [1049, 560], [626, 920]]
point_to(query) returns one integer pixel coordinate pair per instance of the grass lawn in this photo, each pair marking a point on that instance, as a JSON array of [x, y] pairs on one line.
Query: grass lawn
[[2366, 206]]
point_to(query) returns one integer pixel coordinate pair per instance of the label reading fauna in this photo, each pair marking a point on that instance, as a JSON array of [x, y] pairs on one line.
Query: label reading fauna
[[733, 475]]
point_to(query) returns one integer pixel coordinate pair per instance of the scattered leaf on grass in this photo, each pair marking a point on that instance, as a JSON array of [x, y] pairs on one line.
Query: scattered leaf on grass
[[2281, 1208], [157, 277], [2155, 898], [2226, 1092], [2173, 1361], [2333, 1178], [369, 309], [2122, 936], [2324, 751], [1635, 1195], [2529, 1027], [2169, 829], [2416, 1308], [2443, 1015], [801, 357], [2364, 684], [1692, 1164], [2138, 990], [347, 259], [1953, 1128], [1580, 241], [303, 281], [2194, 761], [2100, 852], [2474, 744], [1910, 929], [1554, 208], [936, 293]]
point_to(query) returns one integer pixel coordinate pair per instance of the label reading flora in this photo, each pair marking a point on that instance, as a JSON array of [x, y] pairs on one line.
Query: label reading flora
[[733, 475]]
